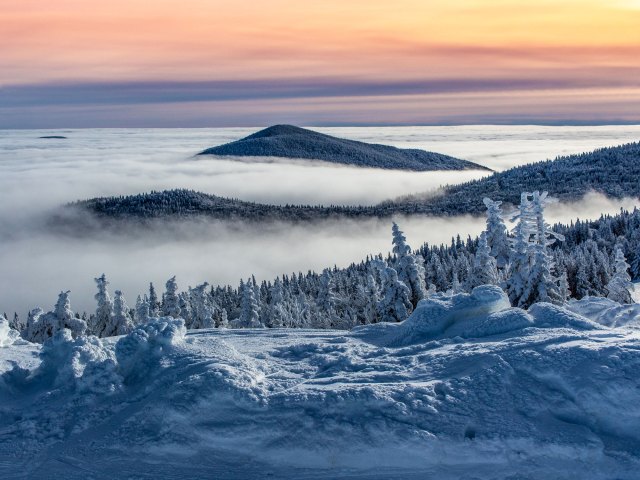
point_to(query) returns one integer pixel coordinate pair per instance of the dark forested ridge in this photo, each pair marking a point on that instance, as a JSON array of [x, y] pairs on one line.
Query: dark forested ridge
[[287, 141], [612, 171]]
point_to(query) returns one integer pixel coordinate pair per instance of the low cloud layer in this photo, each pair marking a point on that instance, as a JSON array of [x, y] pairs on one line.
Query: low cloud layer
[[37, 175]]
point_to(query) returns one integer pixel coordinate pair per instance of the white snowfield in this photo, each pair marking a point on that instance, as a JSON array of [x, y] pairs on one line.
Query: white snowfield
[[466, 388]]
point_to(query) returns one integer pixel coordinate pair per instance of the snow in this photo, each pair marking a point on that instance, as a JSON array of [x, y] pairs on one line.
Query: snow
[[467, 387], [8, 336], [606, 311]]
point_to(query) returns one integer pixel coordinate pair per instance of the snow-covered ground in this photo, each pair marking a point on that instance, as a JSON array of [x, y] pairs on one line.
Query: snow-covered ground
[[465, 388]]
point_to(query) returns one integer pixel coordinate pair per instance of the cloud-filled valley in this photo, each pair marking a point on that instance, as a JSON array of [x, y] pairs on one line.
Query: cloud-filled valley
[[38, 175]]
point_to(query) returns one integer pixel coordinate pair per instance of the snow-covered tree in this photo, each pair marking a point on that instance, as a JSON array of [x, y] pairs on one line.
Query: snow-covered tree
[[202, 308], [41, 326], [484, 271], [154, 305], [121, 322], [171, 304], [541, 285], [141, 310], [497, 238], [519, 262], [250, 309], [395, 304], [104, 311], [620, 287], [409, 267]]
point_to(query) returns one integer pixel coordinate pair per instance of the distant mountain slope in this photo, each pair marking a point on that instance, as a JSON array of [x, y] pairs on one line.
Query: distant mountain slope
[[287, 141], [613, 171]]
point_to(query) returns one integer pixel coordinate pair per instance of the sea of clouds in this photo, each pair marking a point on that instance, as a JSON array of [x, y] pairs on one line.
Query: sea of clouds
[[38, 175]]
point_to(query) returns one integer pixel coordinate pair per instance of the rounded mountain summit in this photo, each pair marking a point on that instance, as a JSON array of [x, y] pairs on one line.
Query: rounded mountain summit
[[288, 141]]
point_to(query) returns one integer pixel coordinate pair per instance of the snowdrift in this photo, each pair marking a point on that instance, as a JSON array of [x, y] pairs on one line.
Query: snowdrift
[[467, 387]]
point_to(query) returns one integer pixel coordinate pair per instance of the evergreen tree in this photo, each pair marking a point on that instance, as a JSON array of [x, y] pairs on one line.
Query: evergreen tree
[[104, 311], [409, 267], [141, 310], [395, 304], [484, 271], [171, 304], [620, 287], [249, 313], [497, 238], [121, 322], [154, 305]]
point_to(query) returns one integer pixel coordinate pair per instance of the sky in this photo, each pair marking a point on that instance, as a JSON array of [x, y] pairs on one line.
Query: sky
[[187, 63]]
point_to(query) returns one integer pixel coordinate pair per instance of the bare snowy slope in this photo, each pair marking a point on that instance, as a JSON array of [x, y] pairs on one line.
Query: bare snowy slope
[[539, 394]]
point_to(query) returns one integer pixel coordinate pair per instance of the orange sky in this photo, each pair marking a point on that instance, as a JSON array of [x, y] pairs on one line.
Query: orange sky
[[572, 44]]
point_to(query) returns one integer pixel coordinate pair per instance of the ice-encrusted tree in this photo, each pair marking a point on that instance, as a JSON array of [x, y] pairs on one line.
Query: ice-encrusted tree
[[142, 310], [395, 304], [497, 238], [409, 267], [171, 304], [41, 326], [154, 305], [250, 309], [278, 308], [519, 262], [121, 322], [541, 285], [327, 302], [620, 287], [104, 310], [202, 308], [484, 271]]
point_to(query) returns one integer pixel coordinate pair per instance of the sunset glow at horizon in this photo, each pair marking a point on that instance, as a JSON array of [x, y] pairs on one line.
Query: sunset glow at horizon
[[120, 63]]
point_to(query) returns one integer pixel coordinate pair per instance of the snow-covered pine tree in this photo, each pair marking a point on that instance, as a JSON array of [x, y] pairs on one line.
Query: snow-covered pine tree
[[154, 305], [409, 267], [202, 309], [620, 287], [66, 318], [141, 310], [104, 310], [41, 326], [325, 315], [250, 309], [541, 285], [171, 304], [484, 271], [121, 322], [519, 262], [497, 238], [395, 303]]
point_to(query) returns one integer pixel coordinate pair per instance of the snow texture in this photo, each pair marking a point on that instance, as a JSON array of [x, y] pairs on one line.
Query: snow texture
[[470, 388]]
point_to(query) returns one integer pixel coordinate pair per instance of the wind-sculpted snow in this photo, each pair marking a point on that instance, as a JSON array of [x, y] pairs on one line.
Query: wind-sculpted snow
[[142, 349], [525, 395], [607, 312]]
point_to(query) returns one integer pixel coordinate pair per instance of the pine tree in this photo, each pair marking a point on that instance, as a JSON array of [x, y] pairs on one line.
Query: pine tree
[[497, 238], [395, 304], [249, 312], [104, 311], [620, 287], [154, 305], [519, 262], [202, 313], [484, 271], [541, 285], [171, 304], [121, 322], [141, 310], [409, 267]]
